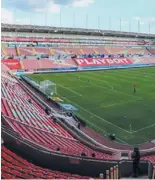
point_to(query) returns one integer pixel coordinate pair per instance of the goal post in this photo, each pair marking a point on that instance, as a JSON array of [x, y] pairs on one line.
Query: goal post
[[48, 87]]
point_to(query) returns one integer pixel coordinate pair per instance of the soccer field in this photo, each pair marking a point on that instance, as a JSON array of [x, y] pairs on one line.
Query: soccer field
[[108, 104]]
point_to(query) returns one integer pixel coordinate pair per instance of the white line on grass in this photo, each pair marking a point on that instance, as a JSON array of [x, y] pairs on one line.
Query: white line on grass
[[143, 128], [120, 103], [138, 97], [98, 116], [101, 129], [70, 90]]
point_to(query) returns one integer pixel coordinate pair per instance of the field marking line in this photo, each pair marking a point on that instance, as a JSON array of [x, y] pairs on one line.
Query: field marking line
[[138, 97], [101, 129], [129, 78], [110, 105], [98, 116], [139, 74], [70, 90], [70, 96], [143, 128], [120, 92]]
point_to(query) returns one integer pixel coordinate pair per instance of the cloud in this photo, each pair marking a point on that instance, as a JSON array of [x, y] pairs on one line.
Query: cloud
[[144, 19], [43, 5], [22, 21], [142, 22], [6, 16], [82, 3], [124, 22], [31, 5], [62, 2], [54, 8], [136, 18]]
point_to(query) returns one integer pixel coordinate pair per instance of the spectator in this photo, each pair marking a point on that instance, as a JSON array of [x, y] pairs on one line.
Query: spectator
[[47, 111], [29, 101], [136, 158], [83, 154], [101, 176], [58, 149], [79, 125], [93, 155]]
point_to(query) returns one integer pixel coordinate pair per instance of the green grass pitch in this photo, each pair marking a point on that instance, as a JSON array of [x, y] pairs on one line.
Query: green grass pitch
[[108, 104]]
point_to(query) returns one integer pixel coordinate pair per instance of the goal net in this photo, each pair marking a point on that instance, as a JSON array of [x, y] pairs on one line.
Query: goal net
[[48, 87]]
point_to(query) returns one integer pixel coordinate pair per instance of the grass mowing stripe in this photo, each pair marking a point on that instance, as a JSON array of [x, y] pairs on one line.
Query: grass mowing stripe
[[97, 116], [128, 78], [118, 105], [125, 102], [69, 89], [112, 89]]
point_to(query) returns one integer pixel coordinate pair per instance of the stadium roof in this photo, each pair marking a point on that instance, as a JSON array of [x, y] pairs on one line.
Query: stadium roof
[[76, 31]]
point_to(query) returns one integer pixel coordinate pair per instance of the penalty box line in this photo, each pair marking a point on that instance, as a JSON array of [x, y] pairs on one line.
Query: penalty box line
[[111, 88], [102, 129], [114, 104], [70, 90], [143, 128], [98, 116]]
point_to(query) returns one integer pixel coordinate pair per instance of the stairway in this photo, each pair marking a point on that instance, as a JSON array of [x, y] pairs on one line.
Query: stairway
[[34, 51], [4, 52], [21, 64], [52, 52], [95, 51], [139, 177], [82, 52], [18, 52], [66, 51]]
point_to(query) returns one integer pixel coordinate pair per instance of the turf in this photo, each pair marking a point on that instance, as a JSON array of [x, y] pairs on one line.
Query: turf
[[108, 104]]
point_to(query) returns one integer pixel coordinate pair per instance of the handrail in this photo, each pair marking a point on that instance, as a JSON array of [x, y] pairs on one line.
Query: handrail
[[46, 150]]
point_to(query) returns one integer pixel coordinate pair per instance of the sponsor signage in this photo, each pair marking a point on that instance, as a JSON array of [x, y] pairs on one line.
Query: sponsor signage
[[33, 39], [12, 64], [102, 61]]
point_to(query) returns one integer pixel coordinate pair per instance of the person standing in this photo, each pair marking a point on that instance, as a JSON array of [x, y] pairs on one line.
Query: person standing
[[134, 87], [136, 158]]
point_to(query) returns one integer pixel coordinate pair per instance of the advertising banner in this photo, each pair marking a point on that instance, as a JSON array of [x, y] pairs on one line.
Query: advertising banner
[[12, 64], [24, 39], [102, 61]]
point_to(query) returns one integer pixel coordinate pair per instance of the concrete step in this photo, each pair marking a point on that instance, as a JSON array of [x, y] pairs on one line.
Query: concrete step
[[139, 177]]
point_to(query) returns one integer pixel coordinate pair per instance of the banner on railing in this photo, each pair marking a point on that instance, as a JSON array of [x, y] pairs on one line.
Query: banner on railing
[[102, 61]]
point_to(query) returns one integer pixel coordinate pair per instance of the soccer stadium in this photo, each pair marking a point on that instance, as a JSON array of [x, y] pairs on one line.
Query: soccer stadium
[[77, 103]]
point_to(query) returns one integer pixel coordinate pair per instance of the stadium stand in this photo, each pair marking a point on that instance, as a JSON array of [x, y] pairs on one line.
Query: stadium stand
[[29, 120], [15, 167], [29, 51], [10, 51], [152, 51], [32, 64], [143, 60]]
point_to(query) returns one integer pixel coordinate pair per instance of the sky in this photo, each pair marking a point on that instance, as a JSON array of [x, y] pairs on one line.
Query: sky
[[124, 15]]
